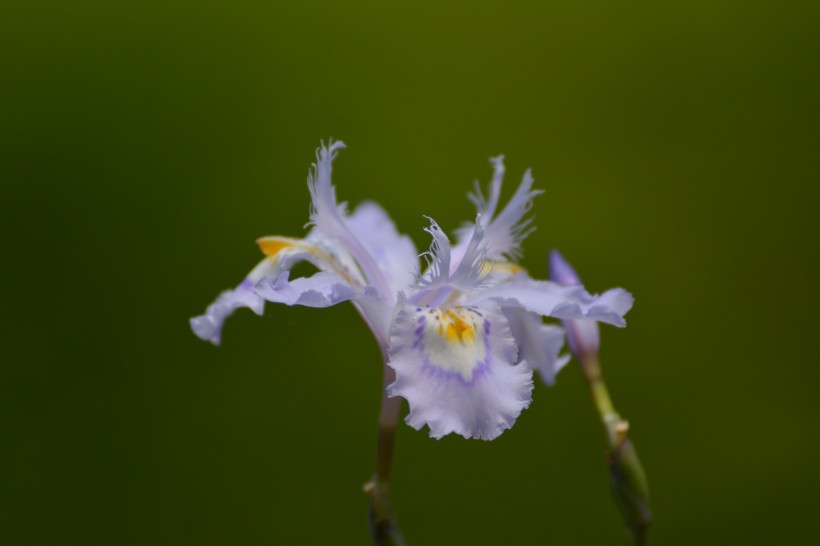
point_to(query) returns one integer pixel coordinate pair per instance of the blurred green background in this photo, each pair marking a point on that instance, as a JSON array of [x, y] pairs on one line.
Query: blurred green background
[[145, 146]]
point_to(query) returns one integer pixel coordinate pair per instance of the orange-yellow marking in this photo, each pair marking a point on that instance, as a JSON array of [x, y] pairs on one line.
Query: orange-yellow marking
[[271, 246], [455, 328], [452, 339]]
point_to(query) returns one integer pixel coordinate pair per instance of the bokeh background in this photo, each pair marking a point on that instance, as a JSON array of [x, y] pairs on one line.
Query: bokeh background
[[146, 145]]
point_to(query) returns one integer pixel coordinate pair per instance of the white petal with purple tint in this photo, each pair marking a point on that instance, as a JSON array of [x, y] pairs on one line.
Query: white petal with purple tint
[[456, 369]]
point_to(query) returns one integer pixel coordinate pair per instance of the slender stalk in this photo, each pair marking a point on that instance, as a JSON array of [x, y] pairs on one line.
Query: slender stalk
[[603, 402], [627, 478], [382, 526]]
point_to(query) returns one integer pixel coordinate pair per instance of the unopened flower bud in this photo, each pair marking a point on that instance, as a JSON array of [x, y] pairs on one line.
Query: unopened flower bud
[[630, 490], [582, 335]]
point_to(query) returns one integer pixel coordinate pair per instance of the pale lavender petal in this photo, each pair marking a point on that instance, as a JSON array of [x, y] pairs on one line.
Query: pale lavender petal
[[564, 302], [447, 272], [438, 258], [329, 217], [504, 233], [282, 254], [467, 271], [322, 289], [539, 344], [209, 326], [393, 253], [456, 369], [495, 186], [484, 207]]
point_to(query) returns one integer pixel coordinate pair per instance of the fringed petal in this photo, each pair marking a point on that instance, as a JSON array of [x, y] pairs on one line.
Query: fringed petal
[[486, 207], [504, 233], [467, 272], [449, 272], [456, 369], [438, 258], [330, 219]]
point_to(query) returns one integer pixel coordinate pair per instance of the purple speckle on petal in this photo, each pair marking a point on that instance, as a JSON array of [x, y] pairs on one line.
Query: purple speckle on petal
[[438, 374]]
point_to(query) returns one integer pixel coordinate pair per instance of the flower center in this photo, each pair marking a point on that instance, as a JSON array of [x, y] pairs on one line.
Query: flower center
[[453, 339]]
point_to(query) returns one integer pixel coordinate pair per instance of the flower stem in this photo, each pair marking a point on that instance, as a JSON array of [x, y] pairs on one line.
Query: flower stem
[[627, 478], [382, 527], [603, 402]]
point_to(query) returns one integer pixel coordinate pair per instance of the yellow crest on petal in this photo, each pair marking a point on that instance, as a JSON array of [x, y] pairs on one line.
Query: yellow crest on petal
[[272, 246], [453, 338]]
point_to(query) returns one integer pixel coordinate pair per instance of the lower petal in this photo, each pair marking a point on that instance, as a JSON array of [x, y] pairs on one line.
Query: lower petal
[[456, 368], [539, 344]]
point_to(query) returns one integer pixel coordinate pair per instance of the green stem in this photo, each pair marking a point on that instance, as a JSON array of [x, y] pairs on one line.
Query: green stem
[[615, 426], [627, 478], [382, 526]]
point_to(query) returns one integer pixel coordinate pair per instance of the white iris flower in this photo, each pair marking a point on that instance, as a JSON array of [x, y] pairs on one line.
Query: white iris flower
[[463, 336]]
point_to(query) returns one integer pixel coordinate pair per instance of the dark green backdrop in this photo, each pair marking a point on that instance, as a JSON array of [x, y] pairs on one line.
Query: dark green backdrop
[[146, 145]]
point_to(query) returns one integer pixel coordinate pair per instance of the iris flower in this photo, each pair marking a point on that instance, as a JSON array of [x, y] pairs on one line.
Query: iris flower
[[462, 335]]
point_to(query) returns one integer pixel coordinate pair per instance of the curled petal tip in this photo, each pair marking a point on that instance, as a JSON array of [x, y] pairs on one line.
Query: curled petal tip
[[205, 329]]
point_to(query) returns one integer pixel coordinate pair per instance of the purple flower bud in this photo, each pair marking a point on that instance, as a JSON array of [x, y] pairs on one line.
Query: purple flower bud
[[582, 335], [560, 270]]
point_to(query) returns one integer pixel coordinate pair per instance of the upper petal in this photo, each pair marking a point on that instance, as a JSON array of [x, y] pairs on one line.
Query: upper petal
[[504, 232], [507, 230], [447, 273], [438, 258], [330, 219], [456, 368], [395, 254]]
